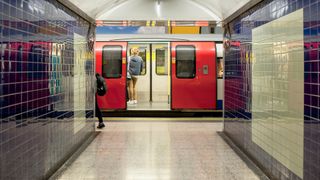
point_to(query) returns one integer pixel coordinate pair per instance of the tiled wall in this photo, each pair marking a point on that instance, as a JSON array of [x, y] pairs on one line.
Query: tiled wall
[[277, 89], [239, 92], [46, 87]]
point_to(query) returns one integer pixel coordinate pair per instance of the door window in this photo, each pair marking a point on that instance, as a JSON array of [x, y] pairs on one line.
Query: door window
[[220, 68], [161, 65], [185, 61], [112, 61]]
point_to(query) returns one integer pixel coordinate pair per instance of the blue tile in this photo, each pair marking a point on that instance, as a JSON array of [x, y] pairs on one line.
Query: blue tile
[[233, 69], [26, 101]]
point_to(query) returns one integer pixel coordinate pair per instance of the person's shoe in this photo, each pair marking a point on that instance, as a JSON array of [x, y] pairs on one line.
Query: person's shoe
[[101, 125], [130, 102], [135, 101]]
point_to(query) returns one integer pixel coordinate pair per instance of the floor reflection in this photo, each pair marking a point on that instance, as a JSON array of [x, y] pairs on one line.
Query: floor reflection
[[159, 150]]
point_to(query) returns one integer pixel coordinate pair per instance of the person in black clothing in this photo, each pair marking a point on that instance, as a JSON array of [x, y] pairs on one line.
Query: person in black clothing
[[101, 90], [99, 115]]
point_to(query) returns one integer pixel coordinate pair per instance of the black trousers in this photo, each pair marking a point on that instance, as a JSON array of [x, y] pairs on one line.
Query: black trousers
[[98, 112]]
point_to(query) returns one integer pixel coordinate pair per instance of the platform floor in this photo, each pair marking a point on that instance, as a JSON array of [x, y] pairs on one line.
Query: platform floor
[[149, 106], [159, 150]]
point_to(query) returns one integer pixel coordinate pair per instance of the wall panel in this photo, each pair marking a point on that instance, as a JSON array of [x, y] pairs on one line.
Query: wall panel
[[46, 87], [243, 82]]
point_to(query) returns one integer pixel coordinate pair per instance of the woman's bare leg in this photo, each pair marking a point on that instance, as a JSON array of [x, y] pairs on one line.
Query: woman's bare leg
[[128, 89], [134, 82], [131, 90]]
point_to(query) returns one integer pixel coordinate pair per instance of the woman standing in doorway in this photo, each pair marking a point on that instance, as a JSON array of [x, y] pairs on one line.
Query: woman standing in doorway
[[134, 69]]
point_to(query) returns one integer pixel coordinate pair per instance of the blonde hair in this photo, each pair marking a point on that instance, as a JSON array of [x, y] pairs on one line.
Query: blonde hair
[[135, 51]]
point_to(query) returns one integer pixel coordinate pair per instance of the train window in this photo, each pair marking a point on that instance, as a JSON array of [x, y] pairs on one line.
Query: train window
[[185, 61], [142, 54], [220, 68], [161, 64], [112, 61]]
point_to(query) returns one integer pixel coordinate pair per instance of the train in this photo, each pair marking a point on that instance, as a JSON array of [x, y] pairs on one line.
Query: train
[[178, 74]]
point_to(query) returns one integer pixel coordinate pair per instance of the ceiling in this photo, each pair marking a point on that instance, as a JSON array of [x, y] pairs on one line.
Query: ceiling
[[211, 10]]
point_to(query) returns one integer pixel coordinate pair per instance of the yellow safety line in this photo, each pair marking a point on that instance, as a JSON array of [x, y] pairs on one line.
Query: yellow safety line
[[163, 119]]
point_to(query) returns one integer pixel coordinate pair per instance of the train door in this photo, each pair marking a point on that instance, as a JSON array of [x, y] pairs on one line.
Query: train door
[[111, 64], [160, 89], [193, 82], [153, 82], [143, 83]]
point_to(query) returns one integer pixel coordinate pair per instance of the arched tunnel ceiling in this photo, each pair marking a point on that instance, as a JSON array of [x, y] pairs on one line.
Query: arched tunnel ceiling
[[213, 10]]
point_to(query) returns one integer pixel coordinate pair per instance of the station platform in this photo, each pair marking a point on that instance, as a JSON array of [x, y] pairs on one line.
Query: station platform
[[159, 150]]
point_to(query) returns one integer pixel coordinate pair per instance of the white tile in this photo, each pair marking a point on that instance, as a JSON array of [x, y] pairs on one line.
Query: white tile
[[279, 133]]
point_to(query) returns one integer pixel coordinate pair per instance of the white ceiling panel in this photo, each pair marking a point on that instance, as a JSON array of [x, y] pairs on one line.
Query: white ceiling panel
[[213, 10]]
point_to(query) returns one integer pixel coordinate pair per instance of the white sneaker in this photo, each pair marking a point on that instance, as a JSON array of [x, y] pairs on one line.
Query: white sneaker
[[135, 101], [130, 102]]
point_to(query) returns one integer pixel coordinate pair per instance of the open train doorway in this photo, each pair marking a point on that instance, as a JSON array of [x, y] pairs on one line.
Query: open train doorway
[[153, 84]]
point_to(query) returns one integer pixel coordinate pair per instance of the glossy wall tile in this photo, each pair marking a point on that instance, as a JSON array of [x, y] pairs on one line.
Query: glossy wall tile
[[277, 89], [46, 86], [264, 96]]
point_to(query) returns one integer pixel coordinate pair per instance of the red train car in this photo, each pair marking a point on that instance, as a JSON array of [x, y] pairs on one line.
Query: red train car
[[175, 76], [114, 71], [193, 88]]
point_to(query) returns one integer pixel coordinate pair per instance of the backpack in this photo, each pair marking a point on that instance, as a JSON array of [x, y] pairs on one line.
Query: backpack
[[135, 65], [101, 86]]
